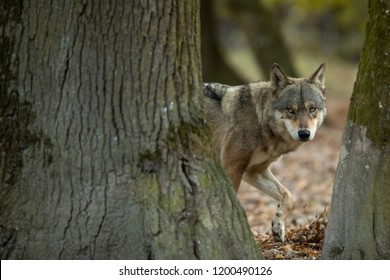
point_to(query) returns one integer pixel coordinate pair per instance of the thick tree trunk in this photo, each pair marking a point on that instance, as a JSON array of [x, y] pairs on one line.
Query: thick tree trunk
[[104, 154], [359, 222]]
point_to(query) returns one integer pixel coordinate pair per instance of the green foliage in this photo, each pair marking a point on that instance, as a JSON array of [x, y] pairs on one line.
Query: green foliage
[[348, 14], [326, 25]]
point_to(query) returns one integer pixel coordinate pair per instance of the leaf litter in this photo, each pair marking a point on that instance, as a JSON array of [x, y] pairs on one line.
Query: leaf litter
[[303, 242]]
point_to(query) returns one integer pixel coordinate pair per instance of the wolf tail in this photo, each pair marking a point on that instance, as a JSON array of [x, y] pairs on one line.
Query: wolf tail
[[214, 90]]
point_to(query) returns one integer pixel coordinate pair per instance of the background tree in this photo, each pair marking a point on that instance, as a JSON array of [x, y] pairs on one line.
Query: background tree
[[104, 154], [264, 34], [214, 64], [222, 22], [359, 222], [327, 28]]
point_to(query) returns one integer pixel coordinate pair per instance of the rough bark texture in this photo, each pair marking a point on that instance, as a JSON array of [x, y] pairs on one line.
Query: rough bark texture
[[104, 154], [359, 222]]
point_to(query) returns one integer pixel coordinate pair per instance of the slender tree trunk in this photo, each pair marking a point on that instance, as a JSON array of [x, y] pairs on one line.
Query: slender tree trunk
[[214, 65], [359, 222], [104, 154], [263, 33]]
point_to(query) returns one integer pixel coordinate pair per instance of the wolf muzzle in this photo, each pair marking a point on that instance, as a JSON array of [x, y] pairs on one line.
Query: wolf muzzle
[[304, 135]]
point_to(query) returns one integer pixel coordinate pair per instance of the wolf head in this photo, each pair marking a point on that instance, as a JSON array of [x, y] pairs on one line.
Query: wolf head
[[300, 105]]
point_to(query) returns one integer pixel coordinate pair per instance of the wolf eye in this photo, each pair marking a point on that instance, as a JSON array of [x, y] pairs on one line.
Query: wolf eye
[[312, 109], [290, 110]]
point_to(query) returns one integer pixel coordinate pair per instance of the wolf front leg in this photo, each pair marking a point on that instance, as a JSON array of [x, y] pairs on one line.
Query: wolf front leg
[[265, 181], [234, 159]]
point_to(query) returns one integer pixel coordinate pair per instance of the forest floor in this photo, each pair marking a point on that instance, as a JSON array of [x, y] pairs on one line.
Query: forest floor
[[308, 174]]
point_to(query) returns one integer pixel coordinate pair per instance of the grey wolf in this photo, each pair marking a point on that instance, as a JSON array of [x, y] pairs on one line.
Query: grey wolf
[[255, 124]]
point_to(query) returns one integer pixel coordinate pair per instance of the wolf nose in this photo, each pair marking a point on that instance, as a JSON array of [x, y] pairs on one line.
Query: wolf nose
[[304, 134]]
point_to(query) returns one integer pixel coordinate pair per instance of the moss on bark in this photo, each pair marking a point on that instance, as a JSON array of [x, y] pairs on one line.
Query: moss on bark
[[16, 115], [359, 222], [370, 101]]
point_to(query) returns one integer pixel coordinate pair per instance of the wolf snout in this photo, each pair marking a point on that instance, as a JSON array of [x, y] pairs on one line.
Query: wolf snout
[[304, 134]]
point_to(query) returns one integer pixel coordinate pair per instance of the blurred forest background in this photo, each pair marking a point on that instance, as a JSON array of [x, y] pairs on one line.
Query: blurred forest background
[[241, 39]]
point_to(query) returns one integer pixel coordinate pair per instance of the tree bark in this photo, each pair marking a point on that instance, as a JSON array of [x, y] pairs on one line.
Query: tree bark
[[104, 153], [359, 222]]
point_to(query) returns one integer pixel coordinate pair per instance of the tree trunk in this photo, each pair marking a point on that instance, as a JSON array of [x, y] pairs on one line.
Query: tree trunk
[[263, 33], [359, 222], [104, 154], [214, 65]]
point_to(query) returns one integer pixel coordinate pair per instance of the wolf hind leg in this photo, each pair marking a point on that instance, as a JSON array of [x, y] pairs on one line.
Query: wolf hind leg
[[265, 181]]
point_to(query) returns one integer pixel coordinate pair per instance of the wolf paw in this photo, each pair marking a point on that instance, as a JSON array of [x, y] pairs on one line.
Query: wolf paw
[[278, 230]]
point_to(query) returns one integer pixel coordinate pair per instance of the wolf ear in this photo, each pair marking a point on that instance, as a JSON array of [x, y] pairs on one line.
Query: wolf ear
[[319, 75], [278, 78]]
